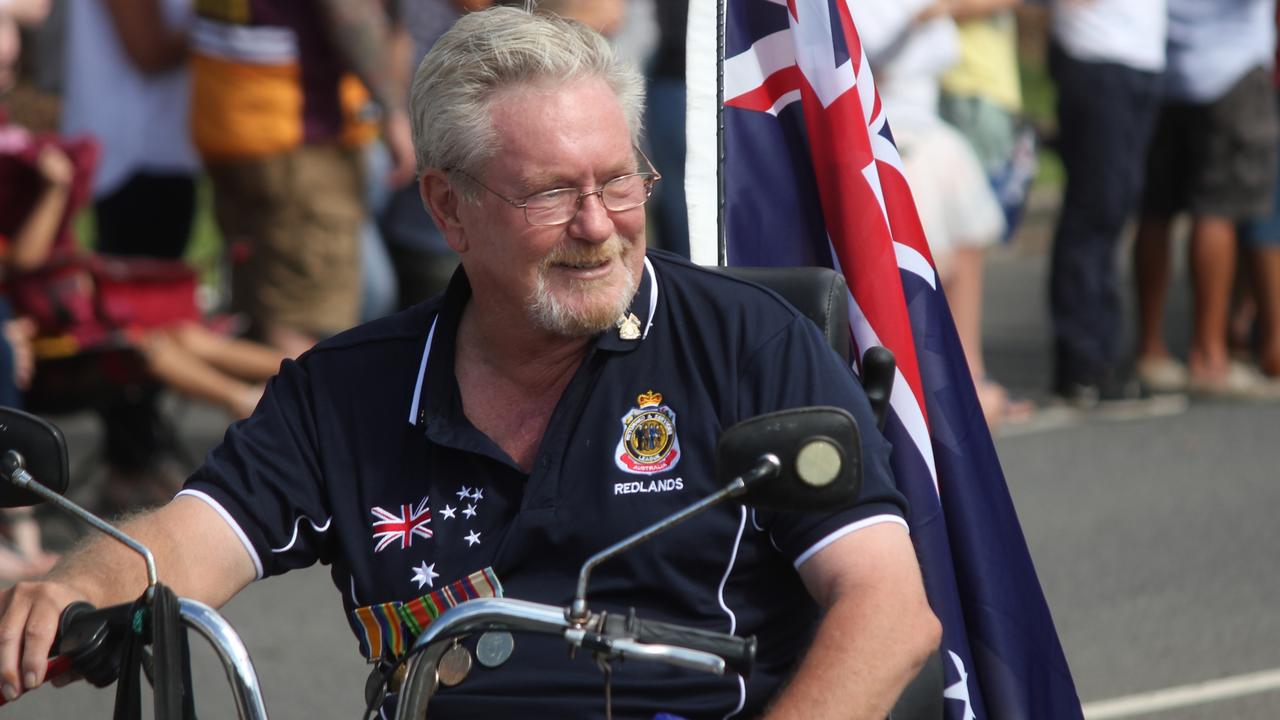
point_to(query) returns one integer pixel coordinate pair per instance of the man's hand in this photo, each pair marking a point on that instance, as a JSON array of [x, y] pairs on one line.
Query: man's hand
[[27, 12], [55, 167], [197, 554], [29, 614], [396, 134]]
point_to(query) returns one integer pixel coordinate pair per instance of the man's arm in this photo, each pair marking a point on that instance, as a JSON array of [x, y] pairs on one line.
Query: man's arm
[[875, 635], [197, 555], [359, 30], [151, 45]]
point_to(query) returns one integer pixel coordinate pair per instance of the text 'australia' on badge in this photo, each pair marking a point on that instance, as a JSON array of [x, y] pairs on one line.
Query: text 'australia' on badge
[[648, 444]]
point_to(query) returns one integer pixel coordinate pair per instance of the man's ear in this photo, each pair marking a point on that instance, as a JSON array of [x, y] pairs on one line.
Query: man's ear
[[442, 202]]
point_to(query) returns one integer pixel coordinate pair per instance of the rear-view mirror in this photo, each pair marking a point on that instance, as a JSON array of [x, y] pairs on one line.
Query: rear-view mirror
[[44, 453], [819, 456]]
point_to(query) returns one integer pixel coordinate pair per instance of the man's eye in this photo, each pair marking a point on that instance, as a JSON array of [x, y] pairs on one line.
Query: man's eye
[[550, 197]]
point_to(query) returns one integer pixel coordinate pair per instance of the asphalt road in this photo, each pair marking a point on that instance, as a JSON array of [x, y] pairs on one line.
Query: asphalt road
[[1155, 540]]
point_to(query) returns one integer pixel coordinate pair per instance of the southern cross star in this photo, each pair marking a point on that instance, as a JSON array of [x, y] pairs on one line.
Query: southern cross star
[[425, 574], [448, 512]]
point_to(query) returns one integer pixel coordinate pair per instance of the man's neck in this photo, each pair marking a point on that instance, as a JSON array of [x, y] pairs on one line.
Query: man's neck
[[511, 376], [517, 349]]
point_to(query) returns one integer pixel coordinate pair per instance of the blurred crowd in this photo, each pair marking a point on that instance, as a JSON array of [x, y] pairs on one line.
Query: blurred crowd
[[1164, 109], [294, 120], [292, 117]]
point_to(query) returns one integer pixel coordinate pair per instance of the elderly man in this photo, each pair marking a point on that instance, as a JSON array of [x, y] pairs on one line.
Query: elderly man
[[565, 391]]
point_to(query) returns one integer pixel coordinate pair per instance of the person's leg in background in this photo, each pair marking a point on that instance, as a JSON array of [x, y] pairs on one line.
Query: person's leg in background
[[150, 215], [1105, 112], [1260, 247], [665, 120], [22, 555], [1170, 158], [1264, 262], [1155, 367], [1213, 272], [1236, 184]]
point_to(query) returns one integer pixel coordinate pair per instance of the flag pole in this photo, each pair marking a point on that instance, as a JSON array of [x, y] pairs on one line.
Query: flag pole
[[722, 252]]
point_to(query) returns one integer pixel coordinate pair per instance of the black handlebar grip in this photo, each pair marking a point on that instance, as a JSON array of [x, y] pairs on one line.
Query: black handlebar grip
[[92, 639], [739, 653]]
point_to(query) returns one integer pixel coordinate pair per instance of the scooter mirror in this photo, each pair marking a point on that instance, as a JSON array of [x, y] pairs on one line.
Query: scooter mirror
[[819, 454], [44, 454]]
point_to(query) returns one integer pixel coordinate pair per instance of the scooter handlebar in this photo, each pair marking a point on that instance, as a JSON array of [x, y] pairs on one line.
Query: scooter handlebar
[[739, 654]]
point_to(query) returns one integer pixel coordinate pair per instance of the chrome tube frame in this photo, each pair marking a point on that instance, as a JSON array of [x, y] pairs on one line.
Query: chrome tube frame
[[512, 615], [241, 674], [472, 616]]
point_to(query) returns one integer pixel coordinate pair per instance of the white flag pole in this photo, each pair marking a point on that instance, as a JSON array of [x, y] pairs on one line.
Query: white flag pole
[[704, 161]]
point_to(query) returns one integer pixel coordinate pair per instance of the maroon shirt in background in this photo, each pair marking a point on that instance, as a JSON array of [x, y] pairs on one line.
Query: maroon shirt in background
[[322, 66]]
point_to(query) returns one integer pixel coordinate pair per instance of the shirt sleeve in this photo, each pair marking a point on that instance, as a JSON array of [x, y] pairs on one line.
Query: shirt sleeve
[[265, 480], [796, 368]]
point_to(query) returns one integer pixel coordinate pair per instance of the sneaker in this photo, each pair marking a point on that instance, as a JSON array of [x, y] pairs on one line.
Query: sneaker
[[1240, 382], [1122, 399], [1161, 375]]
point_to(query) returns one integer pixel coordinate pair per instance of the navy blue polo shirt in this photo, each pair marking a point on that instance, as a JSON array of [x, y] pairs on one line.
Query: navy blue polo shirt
[[360, 456]]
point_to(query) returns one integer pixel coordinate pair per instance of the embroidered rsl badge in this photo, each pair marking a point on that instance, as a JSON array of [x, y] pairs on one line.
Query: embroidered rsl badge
[[648, 444]]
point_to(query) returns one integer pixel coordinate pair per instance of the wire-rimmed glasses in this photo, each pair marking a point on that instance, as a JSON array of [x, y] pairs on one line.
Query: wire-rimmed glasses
[[559, 206]]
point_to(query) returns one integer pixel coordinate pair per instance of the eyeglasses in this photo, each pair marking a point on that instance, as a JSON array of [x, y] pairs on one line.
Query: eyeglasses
[[559, 206]]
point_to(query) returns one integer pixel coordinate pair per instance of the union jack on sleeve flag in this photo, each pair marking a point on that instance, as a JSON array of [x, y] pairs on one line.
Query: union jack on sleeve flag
[[812, 177]]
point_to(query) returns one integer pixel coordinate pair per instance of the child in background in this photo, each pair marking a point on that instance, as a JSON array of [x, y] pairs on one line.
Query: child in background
[[22, 554]]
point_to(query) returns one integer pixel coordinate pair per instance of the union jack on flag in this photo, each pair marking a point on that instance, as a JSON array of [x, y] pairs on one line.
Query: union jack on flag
[[812, 177], [390, 527]]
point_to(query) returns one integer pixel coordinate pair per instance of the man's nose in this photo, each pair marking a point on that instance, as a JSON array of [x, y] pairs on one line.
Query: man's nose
[[592, 222]]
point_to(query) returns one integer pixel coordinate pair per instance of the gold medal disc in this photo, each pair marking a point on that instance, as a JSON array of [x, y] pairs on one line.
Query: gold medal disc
[[454, 665]]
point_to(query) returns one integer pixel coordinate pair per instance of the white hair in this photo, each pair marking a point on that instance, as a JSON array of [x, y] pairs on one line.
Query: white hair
[[487, 52]]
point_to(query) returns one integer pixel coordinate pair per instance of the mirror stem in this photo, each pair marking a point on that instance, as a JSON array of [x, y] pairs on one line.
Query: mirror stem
[[767, 466], [14, 467]]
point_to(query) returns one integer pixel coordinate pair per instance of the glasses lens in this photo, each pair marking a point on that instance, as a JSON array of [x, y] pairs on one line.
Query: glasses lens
[[552, 207], [626, 192]]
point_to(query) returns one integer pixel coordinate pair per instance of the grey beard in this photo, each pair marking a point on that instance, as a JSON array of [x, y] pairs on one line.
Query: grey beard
[[549, 313]]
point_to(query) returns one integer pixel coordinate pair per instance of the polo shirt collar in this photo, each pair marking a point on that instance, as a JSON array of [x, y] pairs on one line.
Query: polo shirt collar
[[435, 392]]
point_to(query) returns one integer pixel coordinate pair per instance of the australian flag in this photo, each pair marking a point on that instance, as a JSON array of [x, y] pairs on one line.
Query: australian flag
[[812, 177]]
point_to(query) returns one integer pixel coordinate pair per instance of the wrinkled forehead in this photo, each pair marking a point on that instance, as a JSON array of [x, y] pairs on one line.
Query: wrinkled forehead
[[547, 124]]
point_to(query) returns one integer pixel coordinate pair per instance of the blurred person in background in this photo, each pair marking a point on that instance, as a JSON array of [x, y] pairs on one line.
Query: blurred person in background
[[604, 16], [1106, 58], [422, 261], [1214, 156], [125, 83], [1257, 323], [277, 137], [910, 46], [665, 125], [22, 553], [982, 98]]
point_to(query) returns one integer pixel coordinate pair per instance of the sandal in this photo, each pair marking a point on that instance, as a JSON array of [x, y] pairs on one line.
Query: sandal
[[998, 408]]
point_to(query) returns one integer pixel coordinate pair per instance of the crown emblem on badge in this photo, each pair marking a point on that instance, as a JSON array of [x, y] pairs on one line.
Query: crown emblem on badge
[[649, 399]]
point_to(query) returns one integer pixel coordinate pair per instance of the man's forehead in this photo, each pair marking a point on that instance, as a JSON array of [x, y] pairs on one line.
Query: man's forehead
[[547, 132]]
